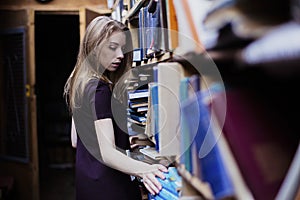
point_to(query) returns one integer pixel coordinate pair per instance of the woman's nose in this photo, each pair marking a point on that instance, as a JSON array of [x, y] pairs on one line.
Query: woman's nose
[[120, 54]]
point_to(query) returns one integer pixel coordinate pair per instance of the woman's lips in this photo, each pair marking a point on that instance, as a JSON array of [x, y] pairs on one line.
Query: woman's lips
[[115, 64]]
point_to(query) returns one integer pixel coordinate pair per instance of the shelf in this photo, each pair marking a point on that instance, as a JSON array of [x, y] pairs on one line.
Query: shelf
[[134, 10], [202, 188], [164, 57], [99, 10]]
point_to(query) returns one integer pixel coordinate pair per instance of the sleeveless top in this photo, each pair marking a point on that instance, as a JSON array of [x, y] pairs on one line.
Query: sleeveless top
[[94, 180]]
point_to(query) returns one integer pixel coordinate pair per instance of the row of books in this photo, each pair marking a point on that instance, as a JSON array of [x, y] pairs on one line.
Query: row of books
[[234, 141], [153, 25], [181, 126], [223, 138], [149, 26], [260, 136], [137, 110]]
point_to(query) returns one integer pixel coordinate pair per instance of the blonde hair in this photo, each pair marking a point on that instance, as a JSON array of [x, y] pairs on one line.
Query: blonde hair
[[88, 65]]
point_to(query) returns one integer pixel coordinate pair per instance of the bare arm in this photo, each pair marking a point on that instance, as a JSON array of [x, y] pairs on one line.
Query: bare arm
[[73, 134], [117, 160]]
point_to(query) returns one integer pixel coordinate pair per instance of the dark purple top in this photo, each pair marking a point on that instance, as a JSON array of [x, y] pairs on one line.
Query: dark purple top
[[95, 180]]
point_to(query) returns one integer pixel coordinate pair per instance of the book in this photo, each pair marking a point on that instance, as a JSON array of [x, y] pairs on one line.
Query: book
[[136, 111], [144, 93], [153, 114], [169, 76], [194, 87], [136, 103], [141, 139], [259, 141], [212, 165], [155, 107], [163, 26], [188, 88], [157, 30], [142, 109], [279, 44], [185, 151], [141, 33], [241, 190], [151, 152], [194, 83], [134, 122], [140, 119], [190, 26], [171, 185], [154, 197], [174, 176]]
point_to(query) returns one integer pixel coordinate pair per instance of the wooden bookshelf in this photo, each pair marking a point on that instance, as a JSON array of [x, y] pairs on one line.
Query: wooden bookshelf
[[263, 78]]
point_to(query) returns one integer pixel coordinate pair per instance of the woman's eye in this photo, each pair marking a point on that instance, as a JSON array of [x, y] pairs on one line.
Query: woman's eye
[[113, 48]]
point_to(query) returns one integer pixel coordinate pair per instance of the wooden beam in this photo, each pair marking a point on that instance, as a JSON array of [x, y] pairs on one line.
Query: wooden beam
[[82, 23], [32, 105]]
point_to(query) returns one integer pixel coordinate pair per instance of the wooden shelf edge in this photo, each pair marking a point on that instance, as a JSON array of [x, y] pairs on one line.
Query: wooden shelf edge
[[201, 187], [99, 10], [133, 11]]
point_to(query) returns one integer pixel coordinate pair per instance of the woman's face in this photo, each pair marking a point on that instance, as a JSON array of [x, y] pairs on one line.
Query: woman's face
[[111, 54]]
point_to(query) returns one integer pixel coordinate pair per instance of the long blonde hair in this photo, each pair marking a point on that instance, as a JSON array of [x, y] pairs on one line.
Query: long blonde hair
[[88, 65]]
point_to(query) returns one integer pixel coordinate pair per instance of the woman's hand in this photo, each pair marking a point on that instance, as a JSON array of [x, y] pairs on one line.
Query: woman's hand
[[149, 178]]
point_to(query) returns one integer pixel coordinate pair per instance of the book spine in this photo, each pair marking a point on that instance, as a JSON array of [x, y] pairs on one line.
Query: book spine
[[157, 29], [141, 28], [185, 151], [138, 94], [169, 186], [154, 99], [138, 118], [174, 177], [212, 166]]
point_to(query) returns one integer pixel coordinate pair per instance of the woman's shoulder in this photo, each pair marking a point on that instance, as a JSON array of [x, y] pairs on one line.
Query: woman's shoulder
[[96, 84], [97, 88], [102, 85]]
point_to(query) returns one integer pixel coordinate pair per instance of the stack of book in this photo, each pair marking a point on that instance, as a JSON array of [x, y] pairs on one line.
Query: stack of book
[[137, 109], [171, 186]]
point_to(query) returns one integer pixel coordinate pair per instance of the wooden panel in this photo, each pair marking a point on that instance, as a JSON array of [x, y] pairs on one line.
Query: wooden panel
[[82, 23], [34, 148], [25, 175], [12, 19], [33, 140], [30, 49], [18, 4], [89, 16], [172, 26], [86, 15]]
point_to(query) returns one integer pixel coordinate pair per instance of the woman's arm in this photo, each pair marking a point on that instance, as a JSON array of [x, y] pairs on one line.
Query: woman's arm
[[73, 134], [117, 160]]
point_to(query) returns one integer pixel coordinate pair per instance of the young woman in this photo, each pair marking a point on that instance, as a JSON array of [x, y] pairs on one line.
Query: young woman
[[102, 169]]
